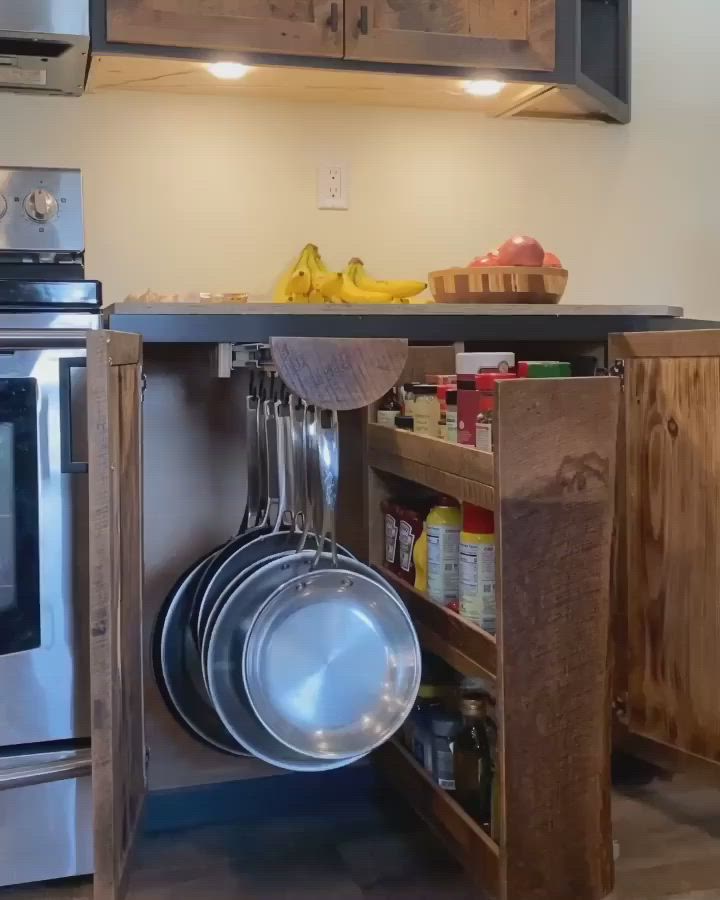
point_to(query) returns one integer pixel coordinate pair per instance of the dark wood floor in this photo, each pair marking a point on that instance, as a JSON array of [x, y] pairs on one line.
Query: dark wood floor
[[668, 834]]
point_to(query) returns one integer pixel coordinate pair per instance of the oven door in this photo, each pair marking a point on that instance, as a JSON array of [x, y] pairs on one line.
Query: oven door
[[43, 544]]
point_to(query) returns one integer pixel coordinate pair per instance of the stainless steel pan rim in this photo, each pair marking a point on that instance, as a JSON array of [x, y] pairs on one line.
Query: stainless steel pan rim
[[224, 672], [173, 645], [331, 663]]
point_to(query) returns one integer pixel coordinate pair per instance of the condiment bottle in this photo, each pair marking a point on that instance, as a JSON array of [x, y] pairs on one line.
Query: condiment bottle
[[473, 762], [388, 409], [410, 528], [443, 541], [390, 530], [477, 567]]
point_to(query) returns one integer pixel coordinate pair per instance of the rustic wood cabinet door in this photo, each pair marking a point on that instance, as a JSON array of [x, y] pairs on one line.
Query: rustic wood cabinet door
[[116, 580], [671, 595], [514, 34], [297, 27]]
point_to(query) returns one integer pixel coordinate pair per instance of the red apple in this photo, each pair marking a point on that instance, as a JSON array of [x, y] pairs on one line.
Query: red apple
[[521, 251], [552, 260]]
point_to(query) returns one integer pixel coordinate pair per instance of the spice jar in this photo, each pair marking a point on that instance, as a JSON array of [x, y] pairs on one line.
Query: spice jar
[[543, 369], [389, 408], [444, 728], [442, 528], [485, 402], [422, 403], [475, 396], [477, 567]]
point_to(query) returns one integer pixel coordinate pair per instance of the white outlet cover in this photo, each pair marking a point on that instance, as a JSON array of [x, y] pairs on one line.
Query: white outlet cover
[[333, 186]]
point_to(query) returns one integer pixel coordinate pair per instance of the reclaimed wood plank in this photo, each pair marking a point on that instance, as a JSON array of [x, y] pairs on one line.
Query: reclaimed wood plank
[[116, 589], [555, 495]]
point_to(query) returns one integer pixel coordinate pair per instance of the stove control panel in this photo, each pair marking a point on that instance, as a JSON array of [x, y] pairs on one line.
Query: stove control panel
[[41, 212]]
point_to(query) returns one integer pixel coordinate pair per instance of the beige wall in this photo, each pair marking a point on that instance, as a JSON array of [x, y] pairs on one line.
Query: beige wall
[[204, 193]]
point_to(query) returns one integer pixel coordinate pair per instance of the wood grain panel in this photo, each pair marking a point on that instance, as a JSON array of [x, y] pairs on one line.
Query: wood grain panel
[[463, 489], [297, 27], [440, 17], [517, 34], [116, 589], [452, 459], [673, 498], [507, 19], [555, 475], [703, 342], [339, 373]]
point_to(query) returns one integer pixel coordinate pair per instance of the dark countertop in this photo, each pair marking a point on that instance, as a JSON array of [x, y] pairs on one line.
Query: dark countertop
[[256, 322]]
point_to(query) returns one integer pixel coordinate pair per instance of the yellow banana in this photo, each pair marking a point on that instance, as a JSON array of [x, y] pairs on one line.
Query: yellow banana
[[289, 284], [351, 293], [329, 284], [300, 282], [397, 289]]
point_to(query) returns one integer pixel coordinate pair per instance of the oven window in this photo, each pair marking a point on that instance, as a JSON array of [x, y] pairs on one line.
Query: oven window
[[19, 520]]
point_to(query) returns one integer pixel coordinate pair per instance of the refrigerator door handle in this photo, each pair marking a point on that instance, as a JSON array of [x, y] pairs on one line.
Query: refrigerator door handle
[[75, 766]]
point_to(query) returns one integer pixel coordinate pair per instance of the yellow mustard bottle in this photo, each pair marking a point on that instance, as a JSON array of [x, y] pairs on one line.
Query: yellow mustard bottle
[[442, 530]]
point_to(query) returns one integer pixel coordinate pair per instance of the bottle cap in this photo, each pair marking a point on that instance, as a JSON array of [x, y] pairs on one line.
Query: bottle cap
[[451, 397], [444, 500], [472, 363], [477, 520], [421, 389], [405, 423]]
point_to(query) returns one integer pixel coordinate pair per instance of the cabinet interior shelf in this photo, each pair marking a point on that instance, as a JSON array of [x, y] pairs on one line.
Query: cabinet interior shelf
[[463, 836], [462, 472], [461, 643]]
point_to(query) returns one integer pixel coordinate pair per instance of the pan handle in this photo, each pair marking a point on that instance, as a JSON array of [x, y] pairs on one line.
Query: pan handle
[[271, 460], [252, 510], [329, 459], [298, 412]]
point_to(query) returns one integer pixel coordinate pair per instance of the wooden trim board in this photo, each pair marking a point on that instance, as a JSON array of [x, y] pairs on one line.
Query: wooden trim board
[[554, 482], [467, 648]]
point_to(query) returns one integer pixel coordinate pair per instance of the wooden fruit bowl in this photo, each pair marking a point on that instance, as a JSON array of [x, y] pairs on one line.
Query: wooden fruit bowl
[[499, 284]]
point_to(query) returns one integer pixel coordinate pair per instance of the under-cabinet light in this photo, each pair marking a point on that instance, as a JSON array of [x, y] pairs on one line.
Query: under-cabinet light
[[485, 87], [228, 70]]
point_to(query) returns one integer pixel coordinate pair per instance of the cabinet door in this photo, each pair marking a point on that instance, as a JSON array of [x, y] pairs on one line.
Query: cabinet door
[[118, 741], [298, 27], [672, 544], [511, 34]]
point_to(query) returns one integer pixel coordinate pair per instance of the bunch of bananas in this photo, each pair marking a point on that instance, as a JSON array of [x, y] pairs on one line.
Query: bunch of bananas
[[310, 281]]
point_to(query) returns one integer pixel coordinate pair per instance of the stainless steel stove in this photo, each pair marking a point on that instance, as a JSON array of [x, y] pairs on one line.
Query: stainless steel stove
[[46, 309]]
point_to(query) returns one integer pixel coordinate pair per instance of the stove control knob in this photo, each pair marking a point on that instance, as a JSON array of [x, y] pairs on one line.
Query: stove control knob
[[3, 206], [41, 206]]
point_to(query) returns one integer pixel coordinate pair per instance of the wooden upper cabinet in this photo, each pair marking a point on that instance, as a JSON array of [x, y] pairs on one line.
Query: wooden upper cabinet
[[671, 457], [514, 34], [297, 27], [116, 588]]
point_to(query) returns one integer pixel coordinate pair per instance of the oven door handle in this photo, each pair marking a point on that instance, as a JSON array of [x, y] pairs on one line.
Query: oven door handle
[[68, 465], [76, 766], [41, 338]]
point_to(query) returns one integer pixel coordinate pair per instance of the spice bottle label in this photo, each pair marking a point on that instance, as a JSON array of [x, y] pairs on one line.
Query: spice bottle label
[[452, 426], [406, 543], [391, 535], [443, 562], [483, 436]]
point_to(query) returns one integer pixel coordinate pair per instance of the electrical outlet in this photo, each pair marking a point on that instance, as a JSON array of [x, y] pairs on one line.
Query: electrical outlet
[[332, 186]]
